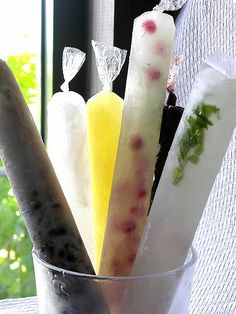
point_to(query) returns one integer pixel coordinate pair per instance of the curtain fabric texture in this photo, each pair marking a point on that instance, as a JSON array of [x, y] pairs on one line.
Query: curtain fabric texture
[[100, 28]]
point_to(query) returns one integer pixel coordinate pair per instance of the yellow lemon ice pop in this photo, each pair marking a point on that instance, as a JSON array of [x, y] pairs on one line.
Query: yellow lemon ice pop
[[104, 114]]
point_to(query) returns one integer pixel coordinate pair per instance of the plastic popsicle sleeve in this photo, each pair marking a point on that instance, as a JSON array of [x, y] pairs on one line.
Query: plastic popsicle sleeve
[[149, 62], [104, 114], [171, 5], [67, 146], [192, 165], [46, 214]]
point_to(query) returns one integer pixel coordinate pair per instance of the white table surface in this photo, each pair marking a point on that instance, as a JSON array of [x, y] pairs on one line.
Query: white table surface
[[19, 306]]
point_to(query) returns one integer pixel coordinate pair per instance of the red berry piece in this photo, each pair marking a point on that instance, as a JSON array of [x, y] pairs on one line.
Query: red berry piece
[[142, 193], [154, 75], [136, 142], [149, 26], [132, 258], [128, 226]]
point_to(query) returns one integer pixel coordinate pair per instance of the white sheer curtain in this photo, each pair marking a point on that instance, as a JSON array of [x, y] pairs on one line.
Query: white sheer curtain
[[204, 27], [101, 18]]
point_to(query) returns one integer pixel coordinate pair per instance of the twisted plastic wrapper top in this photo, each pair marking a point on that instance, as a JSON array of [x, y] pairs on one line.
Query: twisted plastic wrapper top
[[215, 68], [109, 62], [170, 5], [222, 63], [72, 61]]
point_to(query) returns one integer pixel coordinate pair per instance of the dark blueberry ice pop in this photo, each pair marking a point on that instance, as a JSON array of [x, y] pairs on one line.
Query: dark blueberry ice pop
[[46, 213], [47, 216], [170, 121]]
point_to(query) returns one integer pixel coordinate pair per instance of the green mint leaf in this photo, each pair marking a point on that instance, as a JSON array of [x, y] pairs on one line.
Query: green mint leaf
[[191, 144]]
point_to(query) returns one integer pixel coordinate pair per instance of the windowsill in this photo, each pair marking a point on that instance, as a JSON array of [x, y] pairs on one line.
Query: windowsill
[[19, 306]]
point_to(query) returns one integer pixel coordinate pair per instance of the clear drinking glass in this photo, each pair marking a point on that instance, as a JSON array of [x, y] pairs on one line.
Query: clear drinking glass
[[65, 292]]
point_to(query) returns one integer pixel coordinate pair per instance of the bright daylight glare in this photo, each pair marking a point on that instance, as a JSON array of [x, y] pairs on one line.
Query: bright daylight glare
[[20, 36], [19, 27]]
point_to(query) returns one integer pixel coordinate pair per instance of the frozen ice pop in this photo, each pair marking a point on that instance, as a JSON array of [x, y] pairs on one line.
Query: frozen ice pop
[[47, 216], [43, 206], [194, 160], [138, 144], [170, 120], [104, 113], [68, 147]]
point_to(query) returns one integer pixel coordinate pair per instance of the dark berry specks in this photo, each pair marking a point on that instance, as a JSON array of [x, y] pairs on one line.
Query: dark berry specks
[[59, 230]]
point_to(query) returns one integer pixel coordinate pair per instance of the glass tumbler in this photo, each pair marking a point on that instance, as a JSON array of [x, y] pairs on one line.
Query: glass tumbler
[[65, 292]]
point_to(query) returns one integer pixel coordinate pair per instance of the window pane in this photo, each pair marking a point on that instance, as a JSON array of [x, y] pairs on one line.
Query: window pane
[[20, 47]]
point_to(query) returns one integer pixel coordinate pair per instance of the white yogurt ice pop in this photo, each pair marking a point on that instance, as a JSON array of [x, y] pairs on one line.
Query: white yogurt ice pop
[[192, 165], [68, 147], [138, 144]]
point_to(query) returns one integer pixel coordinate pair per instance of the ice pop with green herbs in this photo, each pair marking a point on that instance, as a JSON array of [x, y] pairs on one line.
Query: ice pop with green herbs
[[192, 165], [194, 160]]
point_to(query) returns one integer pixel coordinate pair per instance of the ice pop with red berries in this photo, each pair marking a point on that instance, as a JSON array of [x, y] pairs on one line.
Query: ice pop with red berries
[[152, 40]]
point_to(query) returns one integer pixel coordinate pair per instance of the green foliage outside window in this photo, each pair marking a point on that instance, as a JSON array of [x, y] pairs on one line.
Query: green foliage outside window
[[16, 268], [24, 69]]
